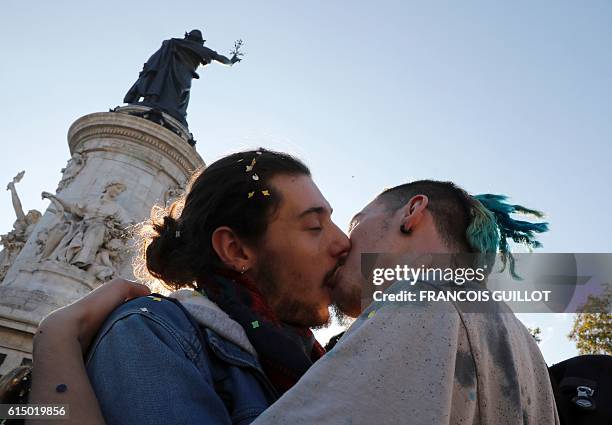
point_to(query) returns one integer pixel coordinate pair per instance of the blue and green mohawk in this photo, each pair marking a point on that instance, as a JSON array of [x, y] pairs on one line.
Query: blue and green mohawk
[[491, 227]]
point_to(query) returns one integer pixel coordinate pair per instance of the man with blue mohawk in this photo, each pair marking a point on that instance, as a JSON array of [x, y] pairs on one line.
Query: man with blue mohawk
[[426, 363]]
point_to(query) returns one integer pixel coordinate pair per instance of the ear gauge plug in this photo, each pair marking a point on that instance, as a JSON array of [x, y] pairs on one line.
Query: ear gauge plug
[[404, 230]]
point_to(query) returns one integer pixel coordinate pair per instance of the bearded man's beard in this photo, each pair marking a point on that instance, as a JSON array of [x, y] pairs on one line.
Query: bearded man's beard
[[340, 317], [287, 309]]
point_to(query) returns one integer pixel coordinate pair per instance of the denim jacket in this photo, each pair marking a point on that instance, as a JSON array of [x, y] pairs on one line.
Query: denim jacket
[[157, 362]]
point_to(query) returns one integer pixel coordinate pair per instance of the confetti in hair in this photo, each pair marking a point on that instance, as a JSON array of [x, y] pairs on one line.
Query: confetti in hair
[[249, 168], [492, 226]]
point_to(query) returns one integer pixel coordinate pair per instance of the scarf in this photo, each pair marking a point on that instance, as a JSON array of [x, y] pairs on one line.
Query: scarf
[[285, 352]]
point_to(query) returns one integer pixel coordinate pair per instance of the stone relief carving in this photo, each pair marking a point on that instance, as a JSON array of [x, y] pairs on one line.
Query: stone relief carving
[[172, 194], [89, 235], [111, 253], [48, 240], [73, 167], [14, 240]]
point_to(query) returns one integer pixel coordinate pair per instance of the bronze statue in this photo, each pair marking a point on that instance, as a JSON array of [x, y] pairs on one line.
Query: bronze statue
[[165, 80]]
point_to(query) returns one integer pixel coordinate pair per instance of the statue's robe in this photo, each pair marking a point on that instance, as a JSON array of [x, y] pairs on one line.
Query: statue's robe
[[165, 80]]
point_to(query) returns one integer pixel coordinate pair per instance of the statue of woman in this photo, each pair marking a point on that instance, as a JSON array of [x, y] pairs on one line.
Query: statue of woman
[[165, 80], [90, 224]]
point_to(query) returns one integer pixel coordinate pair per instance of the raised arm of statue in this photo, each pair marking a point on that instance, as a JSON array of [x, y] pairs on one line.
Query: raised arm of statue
[[15, 198], [236, 53], [226, 61], [59, 208], [62, 204], [16, 203]]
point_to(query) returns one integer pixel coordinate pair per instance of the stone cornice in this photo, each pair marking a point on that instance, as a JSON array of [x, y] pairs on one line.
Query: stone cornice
[[136, 130]]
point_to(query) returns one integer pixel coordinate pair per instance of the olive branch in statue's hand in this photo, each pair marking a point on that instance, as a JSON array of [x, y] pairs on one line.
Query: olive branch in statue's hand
[[236, 53]]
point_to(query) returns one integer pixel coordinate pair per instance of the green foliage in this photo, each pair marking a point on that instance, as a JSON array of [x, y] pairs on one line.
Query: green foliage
[[535, 333], [592, 329]]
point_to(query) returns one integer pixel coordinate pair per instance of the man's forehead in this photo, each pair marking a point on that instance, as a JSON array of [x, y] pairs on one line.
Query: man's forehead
[[373, 207], [300, 194]]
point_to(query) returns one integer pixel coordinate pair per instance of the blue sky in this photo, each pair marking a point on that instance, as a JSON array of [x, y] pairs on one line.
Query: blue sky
[[505, 97]]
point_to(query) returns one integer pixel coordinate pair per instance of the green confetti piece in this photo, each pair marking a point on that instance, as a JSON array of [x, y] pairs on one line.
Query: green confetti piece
[[255, 324]]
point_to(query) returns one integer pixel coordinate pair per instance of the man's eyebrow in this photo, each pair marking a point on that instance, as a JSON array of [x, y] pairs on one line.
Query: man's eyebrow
[[315, 210]]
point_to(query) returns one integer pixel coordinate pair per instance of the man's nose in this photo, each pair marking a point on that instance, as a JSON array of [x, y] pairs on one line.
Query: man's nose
[[341, 244]]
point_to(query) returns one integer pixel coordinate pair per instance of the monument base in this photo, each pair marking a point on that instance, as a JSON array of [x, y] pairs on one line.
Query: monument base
[[158, 117], [126, 164]]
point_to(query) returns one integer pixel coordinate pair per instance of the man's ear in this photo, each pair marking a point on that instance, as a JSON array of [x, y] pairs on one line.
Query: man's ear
[[232, 251], [412, 213]]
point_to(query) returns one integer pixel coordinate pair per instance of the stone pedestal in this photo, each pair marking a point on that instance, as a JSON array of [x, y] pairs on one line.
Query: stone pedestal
[[120, 163]]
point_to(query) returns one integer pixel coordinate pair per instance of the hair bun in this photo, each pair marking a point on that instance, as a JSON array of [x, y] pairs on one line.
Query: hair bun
[[167, 231], [163, 248], [168, 226]]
